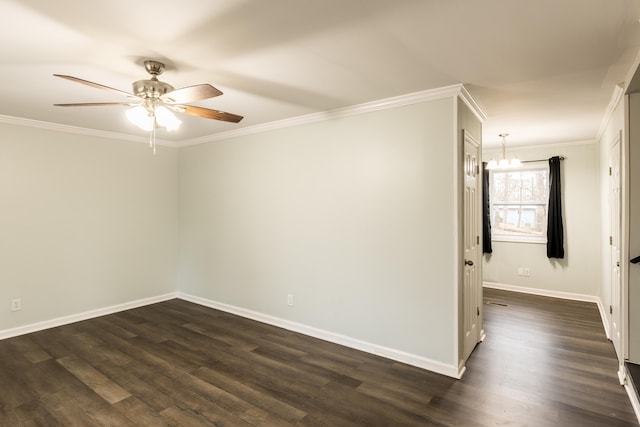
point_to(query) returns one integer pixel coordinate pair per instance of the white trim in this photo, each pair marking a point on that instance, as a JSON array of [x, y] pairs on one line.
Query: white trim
[[390, 353], [37, 124], [604, 318], [624, 230], [513, 238], [616, 96], [633, 396], [487, 149], [458, 160], [542, 292], [475, 108], [60, 321], [622, 374], [632, 393], [382, 104]]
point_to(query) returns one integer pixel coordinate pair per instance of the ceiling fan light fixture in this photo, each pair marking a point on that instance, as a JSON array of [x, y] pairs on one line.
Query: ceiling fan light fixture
[[166, 119], [140, 117], [157, 101]]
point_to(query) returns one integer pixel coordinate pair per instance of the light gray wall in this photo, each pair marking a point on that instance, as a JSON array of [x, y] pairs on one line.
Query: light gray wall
[[85, 223], [608, 138], [580, 271], [353, 216], [634, 227]]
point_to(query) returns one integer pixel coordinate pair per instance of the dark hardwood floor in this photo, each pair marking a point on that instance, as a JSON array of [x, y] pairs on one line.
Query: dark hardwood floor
[[545, 362]]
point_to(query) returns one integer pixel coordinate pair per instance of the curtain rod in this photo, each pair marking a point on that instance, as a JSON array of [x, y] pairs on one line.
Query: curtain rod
[[541, 160]]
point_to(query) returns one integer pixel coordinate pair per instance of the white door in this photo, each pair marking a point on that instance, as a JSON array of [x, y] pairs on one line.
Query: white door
[[615, 314], [472, 292]]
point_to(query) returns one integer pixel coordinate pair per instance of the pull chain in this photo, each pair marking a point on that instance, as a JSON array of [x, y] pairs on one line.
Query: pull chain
[[152, 136]]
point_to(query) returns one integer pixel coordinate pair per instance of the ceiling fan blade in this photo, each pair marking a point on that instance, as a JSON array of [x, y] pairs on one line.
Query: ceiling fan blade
[[96, 85], [192, 93], [97, 104], [209, 114]]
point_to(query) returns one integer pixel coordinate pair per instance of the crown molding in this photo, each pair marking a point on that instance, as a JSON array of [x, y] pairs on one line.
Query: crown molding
[[367, 107], [457, 90], [468, 99], [37, 124], [492, 149], [616, 96]]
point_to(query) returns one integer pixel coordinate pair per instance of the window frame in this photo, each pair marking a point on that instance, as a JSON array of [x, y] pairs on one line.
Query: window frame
[[514, 237]]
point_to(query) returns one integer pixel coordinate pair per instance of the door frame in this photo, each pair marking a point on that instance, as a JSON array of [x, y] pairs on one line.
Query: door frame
[[616, 311], [479, 318]]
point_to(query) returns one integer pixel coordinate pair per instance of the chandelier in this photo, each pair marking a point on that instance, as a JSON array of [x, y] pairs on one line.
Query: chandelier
[[504, 163]]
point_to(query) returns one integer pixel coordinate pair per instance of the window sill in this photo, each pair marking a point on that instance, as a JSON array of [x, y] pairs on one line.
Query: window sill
[[520, 239]]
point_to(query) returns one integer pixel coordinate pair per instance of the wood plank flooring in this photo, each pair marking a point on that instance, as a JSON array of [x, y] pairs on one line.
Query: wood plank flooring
[[545, 362]]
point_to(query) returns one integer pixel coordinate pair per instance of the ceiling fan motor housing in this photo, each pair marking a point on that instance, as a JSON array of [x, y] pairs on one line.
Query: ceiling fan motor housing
[[151, 88], [154, 68]]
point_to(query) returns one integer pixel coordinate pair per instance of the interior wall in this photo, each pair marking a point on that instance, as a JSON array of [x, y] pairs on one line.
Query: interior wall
[[580, 271], [467, 122], [352, 216], [86, 222], [634, 227], [608, 138]]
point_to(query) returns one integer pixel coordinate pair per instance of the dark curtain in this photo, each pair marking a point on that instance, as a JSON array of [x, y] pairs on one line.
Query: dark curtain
[[555, 231], [486, 212]]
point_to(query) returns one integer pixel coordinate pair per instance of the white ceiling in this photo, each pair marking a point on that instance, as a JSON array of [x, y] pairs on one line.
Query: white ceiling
[[542, 70]]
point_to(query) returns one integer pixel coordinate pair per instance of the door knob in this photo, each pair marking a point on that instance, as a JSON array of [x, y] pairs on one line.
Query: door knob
[[468, 262]]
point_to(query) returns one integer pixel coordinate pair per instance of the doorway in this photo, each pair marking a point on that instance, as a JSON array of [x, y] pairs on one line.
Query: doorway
[[472, 223]]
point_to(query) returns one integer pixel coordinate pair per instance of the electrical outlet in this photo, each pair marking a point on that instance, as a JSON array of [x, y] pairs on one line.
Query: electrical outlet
[[290, 300], [524, 271], [16, 304]]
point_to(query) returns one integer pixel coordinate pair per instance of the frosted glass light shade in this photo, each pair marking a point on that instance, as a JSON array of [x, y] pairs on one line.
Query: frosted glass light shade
[[140, 117], [166, 118]]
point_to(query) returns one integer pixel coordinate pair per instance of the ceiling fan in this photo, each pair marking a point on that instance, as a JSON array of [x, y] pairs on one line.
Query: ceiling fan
[[154, 101]]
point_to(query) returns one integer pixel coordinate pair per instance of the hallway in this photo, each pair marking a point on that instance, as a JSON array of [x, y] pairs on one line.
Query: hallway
[[547, 362]]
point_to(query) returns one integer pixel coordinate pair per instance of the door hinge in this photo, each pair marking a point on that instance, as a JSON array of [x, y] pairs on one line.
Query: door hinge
[[610, 240], [610, 309], [610, 171], [477, 169], [477, 240], [478, 310]]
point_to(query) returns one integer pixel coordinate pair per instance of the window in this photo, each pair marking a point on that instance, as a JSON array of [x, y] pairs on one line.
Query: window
[[519, 199]]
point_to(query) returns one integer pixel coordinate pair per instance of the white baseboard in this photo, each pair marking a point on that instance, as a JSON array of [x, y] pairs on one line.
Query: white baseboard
[[60, 321], [541, 292], [393, 354], [604, 318], [631, 392], [556, 294], [389, 353], [622, 375]]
